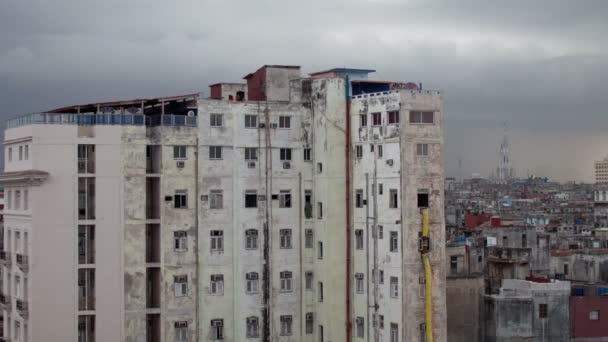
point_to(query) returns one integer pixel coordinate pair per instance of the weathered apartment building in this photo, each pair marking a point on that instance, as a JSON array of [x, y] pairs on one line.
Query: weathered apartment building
[[288, 208]]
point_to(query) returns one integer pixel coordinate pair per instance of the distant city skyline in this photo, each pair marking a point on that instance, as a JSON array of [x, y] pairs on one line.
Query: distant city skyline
[[494, 61]]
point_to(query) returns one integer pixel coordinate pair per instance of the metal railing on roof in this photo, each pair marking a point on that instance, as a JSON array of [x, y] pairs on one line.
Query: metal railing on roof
[[102, 119]]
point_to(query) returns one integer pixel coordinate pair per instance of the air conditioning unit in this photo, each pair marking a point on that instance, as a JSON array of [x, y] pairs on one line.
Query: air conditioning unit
[[261, 197], [251, 164], [274, 125], [204, 198], [287, 165], [190, 113], [217, 323], [262, 125], [180, 164], [181, 324], [389, 162]]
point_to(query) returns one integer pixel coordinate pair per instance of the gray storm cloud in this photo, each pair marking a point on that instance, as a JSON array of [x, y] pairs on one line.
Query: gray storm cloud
[[540, 65]]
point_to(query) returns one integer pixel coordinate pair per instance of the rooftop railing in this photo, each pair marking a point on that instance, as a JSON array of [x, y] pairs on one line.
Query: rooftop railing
[[102, 119]]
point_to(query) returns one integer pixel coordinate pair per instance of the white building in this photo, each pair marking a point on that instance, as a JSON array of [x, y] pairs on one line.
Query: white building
[[286, 209], [601, 171]]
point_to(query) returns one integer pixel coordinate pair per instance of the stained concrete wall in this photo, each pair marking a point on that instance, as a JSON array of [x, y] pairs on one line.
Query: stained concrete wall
[[422, 173], [464, 303], [514, 315]]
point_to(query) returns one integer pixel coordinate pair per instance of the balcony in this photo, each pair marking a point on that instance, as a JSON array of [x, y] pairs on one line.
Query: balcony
[[508, 255], [22, 308], [5, 258], [22, 261]]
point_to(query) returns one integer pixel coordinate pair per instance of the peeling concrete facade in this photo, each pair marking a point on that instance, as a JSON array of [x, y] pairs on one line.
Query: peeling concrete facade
[[258, 221]]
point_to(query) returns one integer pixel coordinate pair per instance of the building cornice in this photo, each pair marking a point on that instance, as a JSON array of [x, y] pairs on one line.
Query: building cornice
[[28, 177]]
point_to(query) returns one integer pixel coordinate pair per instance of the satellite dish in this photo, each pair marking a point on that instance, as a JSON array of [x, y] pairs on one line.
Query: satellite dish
[[190, 113]]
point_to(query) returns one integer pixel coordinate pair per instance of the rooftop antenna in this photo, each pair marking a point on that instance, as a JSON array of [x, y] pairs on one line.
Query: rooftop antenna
[[460, 167]]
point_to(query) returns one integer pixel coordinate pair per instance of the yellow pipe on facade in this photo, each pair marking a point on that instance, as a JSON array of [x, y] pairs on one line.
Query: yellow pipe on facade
[[428, 279]]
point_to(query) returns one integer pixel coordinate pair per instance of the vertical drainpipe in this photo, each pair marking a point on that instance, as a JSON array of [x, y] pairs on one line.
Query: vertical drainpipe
[[348, 218], [196, 243]]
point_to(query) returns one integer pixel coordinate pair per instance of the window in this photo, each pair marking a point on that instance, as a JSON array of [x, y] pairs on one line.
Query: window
[[394, 244], [360, 327], [252, 327], [215, 152], [9, 201], [217, 240], [308, 204], [285, 154], [319, 250], [285, 238], [393, 199], [217, 329], [394, 283], [284, 122], [359, 285], [453, 264], [251, 279], [363, 120], [251, 121], [380, 278], [308, 238], [319, 167], [320, 291], [251, 199], [378, 321], [216, 120], [181, 331], [359, 239], [285, 199], [359, 198], [216, 199], [479, 259], [10, 154], [542, 310], [376, 119], [423, 198], [17, 199], [380, 189], [309, 322], [26, 200], [320, 210], [394, 332], [422, 150], [565, 269], [180, 240], [180, 199], [524, 239], [251, 153], [307, 154], [179, 152], [251, 239], [216, 287], [286, 281], [286, 325], [180, 284], [321, 333], [359, 151], [393, 117], [20, 152], [422, 117], [380, 230], [380, 151], [27, 152], [594, 315], [308, 277]]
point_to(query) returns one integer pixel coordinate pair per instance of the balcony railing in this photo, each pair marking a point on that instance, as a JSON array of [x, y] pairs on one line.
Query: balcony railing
[[22, 261], [22, 307], [102, 119]]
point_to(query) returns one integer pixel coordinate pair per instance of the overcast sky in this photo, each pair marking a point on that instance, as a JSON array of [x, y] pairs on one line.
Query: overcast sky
[[540, 65]]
